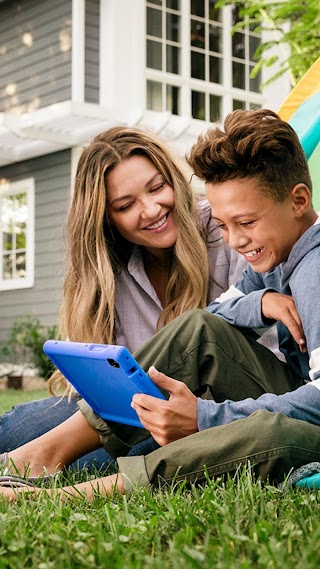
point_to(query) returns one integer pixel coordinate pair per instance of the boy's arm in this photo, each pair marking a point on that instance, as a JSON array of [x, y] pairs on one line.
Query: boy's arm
[[305, 290], [303, 404], [240, 305]]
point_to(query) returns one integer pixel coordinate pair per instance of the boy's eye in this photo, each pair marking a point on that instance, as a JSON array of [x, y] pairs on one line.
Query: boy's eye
[[246, 223]]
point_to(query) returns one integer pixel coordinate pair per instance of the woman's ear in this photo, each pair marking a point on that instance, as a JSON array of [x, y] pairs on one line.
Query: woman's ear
[[301, 199]]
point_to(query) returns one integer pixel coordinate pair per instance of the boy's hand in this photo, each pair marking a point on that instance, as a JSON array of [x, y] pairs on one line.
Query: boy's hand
[[281, 307], [169, 420]]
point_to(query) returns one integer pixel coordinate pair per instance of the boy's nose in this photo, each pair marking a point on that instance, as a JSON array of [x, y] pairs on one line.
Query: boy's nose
[[237, 240]]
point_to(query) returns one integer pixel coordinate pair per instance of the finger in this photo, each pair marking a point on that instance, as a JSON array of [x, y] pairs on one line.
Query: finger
[[162, 380], [296, 330], [147, 402]]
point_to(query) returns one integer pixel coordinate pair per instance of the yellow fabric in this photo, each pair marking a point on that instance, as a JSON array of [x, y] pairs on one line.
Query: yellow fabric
[[307, 86]]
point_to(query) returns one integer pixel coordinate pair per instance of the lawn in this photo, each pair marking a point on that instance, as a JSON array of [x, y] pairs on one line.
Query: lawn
[[233, 524], [11, 397]]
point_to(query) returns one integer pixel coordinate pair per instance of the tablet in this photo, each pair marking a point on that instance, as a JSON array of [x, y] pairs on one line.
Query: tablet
[[106, 376]]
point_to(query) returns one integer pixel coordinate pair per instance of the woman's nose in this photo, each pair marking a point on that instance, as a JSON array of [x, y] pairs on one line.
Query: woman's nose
[[150, 209]]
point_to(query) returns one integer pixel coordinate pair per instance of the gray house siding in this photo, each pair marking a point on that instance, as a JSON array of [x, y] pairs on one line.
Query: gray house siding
[[92, 56], [52, 191], [35, 54]]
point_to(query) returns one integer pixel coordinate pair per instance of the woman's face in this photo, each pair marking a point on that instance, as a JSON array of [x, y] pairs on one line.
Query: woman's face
[[140, 204]]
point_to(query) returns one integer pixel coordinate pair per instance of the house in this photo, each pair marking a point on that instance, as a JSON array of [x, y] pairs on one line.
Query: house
[[72, 68]]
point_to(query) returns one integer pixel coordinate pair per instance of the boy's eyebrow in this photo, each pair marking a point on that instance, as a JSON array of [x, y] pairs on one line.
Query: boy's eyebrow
[[238, 215], [147, 185]]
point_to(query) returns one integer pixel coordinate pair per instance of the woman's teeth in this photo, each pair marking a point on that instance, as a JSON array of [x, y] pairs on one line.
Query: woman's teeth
[[158, 223]]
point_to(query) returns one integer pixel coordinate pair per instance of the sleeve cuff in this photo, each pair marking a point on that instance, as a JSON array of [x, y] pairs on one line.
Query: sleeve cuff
[[133, 471]]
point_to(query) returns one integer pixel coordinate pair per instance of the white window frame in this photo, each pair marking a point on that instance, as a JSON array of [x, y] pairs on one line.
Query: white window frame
[[188, 84], [26, 186]]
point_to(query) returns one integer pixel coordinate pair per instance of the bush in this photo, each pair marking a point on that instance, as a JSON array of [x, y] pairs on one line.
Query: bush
[[25, 342]]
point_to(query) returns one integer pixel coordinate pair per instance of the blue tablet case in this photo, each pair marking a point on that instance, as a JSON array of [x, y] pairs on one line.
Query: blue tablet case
[[106, 376]]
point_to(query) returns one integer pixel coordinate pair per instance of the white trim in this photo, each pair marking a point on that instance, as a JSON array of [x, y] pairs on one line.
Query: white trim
[[21, 186], [107, 55], [78, 51], [76, 152]]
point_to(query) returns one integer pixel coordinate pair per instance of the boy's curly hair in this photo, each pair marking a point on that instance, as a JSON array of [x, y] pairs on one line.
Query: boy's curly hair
[[254, 144]]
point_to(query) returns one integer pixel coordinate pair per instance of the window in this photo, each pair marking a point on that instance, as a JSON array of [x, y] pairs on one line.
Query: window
[[195, 66], [17, 235], [244, 45]]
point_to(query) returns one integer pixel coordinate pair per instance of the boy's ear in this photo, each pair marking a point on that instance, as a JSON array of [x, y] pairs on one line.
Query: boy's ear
[[301, 199]]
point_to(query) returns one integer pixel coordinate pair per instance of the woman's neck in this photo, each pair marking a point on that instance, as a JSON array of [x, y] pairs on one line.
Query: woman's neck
[[160, 259], [157, 268]]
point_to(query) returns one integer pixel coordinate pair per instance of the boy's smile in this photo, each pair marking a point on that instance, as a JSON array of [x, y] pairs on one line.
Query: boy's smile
[[254, 224]]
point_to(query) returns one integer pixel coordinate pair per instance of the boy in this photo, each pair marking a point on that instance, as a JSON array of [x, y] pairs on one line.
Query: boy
[[259, 187]]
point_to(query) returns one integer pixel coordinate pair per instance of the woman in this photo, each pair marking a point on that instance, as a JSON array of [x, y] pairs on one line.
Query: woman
[[140, 251]]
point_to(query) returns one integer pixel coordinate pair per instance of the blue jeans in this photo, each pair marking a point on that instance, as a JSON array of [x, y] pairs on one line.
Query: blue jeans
[[27, 421]]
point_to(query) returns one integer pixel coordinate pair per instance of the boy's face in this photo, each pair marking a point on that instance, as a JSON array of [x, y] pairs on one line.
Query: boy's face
[[262, 230]]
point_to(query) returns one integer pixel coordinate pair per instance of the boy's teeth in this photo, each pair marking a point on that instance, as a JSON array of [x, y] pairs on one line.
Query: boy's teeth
[[253, 253]]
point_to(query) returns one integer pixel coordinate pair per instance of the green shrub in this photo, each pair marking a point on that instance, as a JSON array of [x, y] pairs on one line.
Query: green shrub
[[25, 342]]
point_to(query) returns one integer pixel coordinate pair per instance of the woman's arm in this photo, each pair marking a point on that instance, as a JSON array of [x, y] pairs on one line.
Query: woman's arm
[[100, 486]]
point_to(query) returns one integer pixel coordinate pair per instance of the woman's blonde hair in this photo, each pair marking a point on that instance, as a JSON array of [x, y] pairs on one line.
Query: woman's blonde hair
[[96, 251]]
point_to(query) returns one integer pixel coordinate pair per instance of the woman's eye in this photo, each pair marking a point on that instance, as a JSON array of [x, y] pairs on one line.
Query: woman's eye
[[125, 207], [157, 188]]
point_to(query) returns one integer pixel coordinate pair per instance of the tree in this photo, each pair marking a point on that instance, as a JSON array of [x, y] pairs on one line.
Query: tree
[[296, 24]]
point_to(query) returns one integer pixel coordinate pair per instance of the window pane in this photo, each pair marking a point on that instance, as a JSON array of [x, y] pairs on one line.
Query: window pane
[[154, 22], [254, 43], [197, 34], [215, 70], [173, 27], [254, 107], [7, 267], [215, 108], [197, 65], [238, 45], [159, 2], [235, 16], [154, 96], [173, 4], [256, 82], [20, 265], [7, 240], [214, 13], [198, 105], [215, 39], [173, 59], [154, 54], [238, 75], [173, 99], [20, 200], [21, 235], [238, 105], [197, 7]]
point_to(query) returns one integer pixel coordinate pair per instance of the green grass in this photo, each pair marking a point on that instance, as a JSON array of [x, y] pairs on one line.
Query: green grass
[[235, 524], [11, 397]]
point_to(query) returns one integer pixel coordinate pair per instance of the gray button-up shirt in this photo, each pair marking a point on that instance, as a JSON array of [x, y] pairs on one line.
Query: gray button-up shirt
[[137, 305]]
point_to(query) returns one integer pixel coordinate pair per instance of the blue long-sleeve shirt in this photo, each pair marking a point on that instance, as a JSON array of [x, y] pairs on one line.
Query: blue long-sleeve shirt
[[299, 276]]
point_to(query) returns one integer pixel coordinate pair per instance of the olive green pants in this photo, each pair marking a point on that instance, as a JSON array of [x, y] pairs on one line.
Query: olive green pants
[[205, 352], [271, 443]]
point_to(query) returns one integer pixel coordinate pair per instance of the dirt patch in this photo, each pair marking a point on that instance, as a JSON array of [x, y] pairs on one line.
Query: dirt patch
[[28, 383]]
